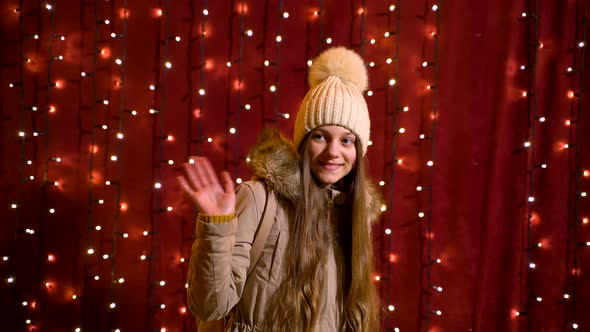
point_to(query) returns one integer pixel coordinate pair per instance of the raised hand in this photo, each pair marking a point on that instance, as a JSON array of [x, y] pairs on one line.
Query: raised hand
[[202, 185]]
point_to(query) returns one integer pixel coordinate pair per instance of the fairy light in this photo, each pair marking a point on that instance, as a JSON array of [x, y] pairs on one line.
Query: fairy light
[[161, 81], [429, 73], [578, 111]]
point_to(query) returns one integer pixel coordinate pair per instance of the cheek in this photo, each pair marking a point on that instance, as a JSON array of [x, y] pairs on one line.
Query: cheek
[[351, 157]]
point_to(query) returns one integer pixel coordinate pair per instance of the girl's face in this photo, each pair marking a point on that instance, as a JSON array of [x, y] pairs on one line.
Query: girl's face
[[332, 152]]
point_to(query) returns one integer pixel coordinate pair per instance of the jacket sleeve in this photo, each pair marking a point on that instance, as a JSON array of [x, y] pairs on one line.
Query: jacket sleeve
[[220, 257]]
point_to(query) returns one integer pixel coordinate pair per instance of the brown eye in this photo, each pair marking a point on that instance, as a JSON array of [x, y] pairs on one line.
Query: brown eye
[[348, 140]]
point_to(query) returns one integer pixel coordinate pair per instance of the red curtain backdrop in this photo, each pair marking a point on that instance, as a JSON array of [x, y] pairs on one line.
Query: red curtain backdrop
[[479, 142]]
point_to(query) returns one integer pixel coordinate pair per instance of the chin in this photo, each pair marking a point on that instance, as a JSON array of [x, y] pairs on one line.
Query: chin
[[327, 180]]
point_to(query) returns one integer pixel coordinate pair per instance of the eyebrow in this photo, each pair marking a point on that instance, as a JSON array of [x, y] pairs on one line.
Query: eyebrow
[[348, 132]]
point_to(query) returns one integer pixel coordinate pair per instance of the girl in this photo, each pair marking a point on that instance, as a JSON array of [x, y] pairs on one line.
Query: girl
[[315, 270]]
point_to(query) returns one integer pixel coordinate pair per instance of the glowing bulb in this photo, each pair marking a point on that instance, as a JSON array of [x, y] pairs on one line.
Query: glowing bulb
[[542, 119], [421, 214], [309, 62], [169, 208], [273, 88], [238, 180], [372, 41], [90, 251], [383, 208], [285, 15], [118, 61], [249, 33], [168, 64], [388, 231], [48, 6], [112, 305], [114, 158], [162, 306], [10, 280], [372, 64], [120, 135], [531, 199], [177, 38], [205, 12], [96, 278], [105, 102], [162, 283], [581, 44], [419, 188], [202, 92], [145, 233], [232, 130], [390, 308], [247, 106], [142, 257], [392, 82], [105, 256], [434, 8], [381, 183], [370, 93], [391, 8], [430, 163], [527, 144], [369, 143], [209, 139], [532, 265], [157, 185], [279, 39], [329, 41], [424, 64], [52, 211], [228, 64], [388, 61], [21, 133], [406, 108], [438, 312]]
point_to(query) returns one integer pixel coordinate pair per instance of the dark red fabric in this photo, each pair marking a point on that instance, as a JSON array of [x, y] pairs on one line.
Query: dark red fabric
[[474, 197]]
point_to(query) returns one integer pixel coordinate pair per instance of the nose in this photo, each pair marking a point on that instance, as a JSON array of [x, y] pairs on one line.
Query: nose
[[332, 149]]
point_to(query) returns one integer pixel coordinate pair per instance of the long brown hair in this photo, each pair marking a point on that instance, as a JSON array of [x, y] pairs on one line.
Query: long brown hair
[[296, 305]]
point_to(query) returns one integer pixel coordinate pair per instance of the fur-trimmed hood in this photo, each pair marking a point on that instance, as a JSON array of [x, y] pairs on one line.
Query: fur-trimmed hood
[[274, 159]]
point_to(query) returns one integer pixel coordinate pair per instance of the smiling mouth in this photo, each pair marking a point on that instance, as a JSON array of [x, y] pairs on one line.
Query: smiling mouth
[[330, 167]]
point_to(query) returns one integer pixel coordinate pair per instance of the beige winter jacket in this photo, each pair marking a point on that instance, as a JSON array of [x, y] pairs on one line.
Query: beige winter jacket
[[221, 252]]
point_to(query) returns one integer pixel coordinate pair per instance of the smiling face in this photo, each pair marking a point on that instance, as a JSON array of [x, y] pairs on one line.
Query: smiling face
[[332, 152]]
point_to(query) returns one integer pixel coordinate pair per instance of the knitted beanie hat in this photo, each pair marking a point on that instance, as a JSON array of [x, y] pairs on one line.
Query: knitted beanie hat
[[337, 80]]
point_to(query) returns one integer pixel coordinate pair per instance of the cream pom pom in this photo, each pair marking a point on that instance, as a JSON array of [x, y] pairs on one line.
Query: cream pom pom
[[340, 62]]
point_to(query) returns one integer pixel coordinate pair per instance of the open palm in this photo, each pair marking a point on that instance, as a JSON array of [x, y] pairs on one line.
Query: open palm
[[202, 185]]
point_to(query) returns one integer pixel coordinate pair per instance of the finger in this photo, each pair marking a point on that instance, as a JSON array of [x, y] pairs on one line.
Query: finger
[[190, 176], [185, 186], [200, 172], [209, 173], [228, 184]]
